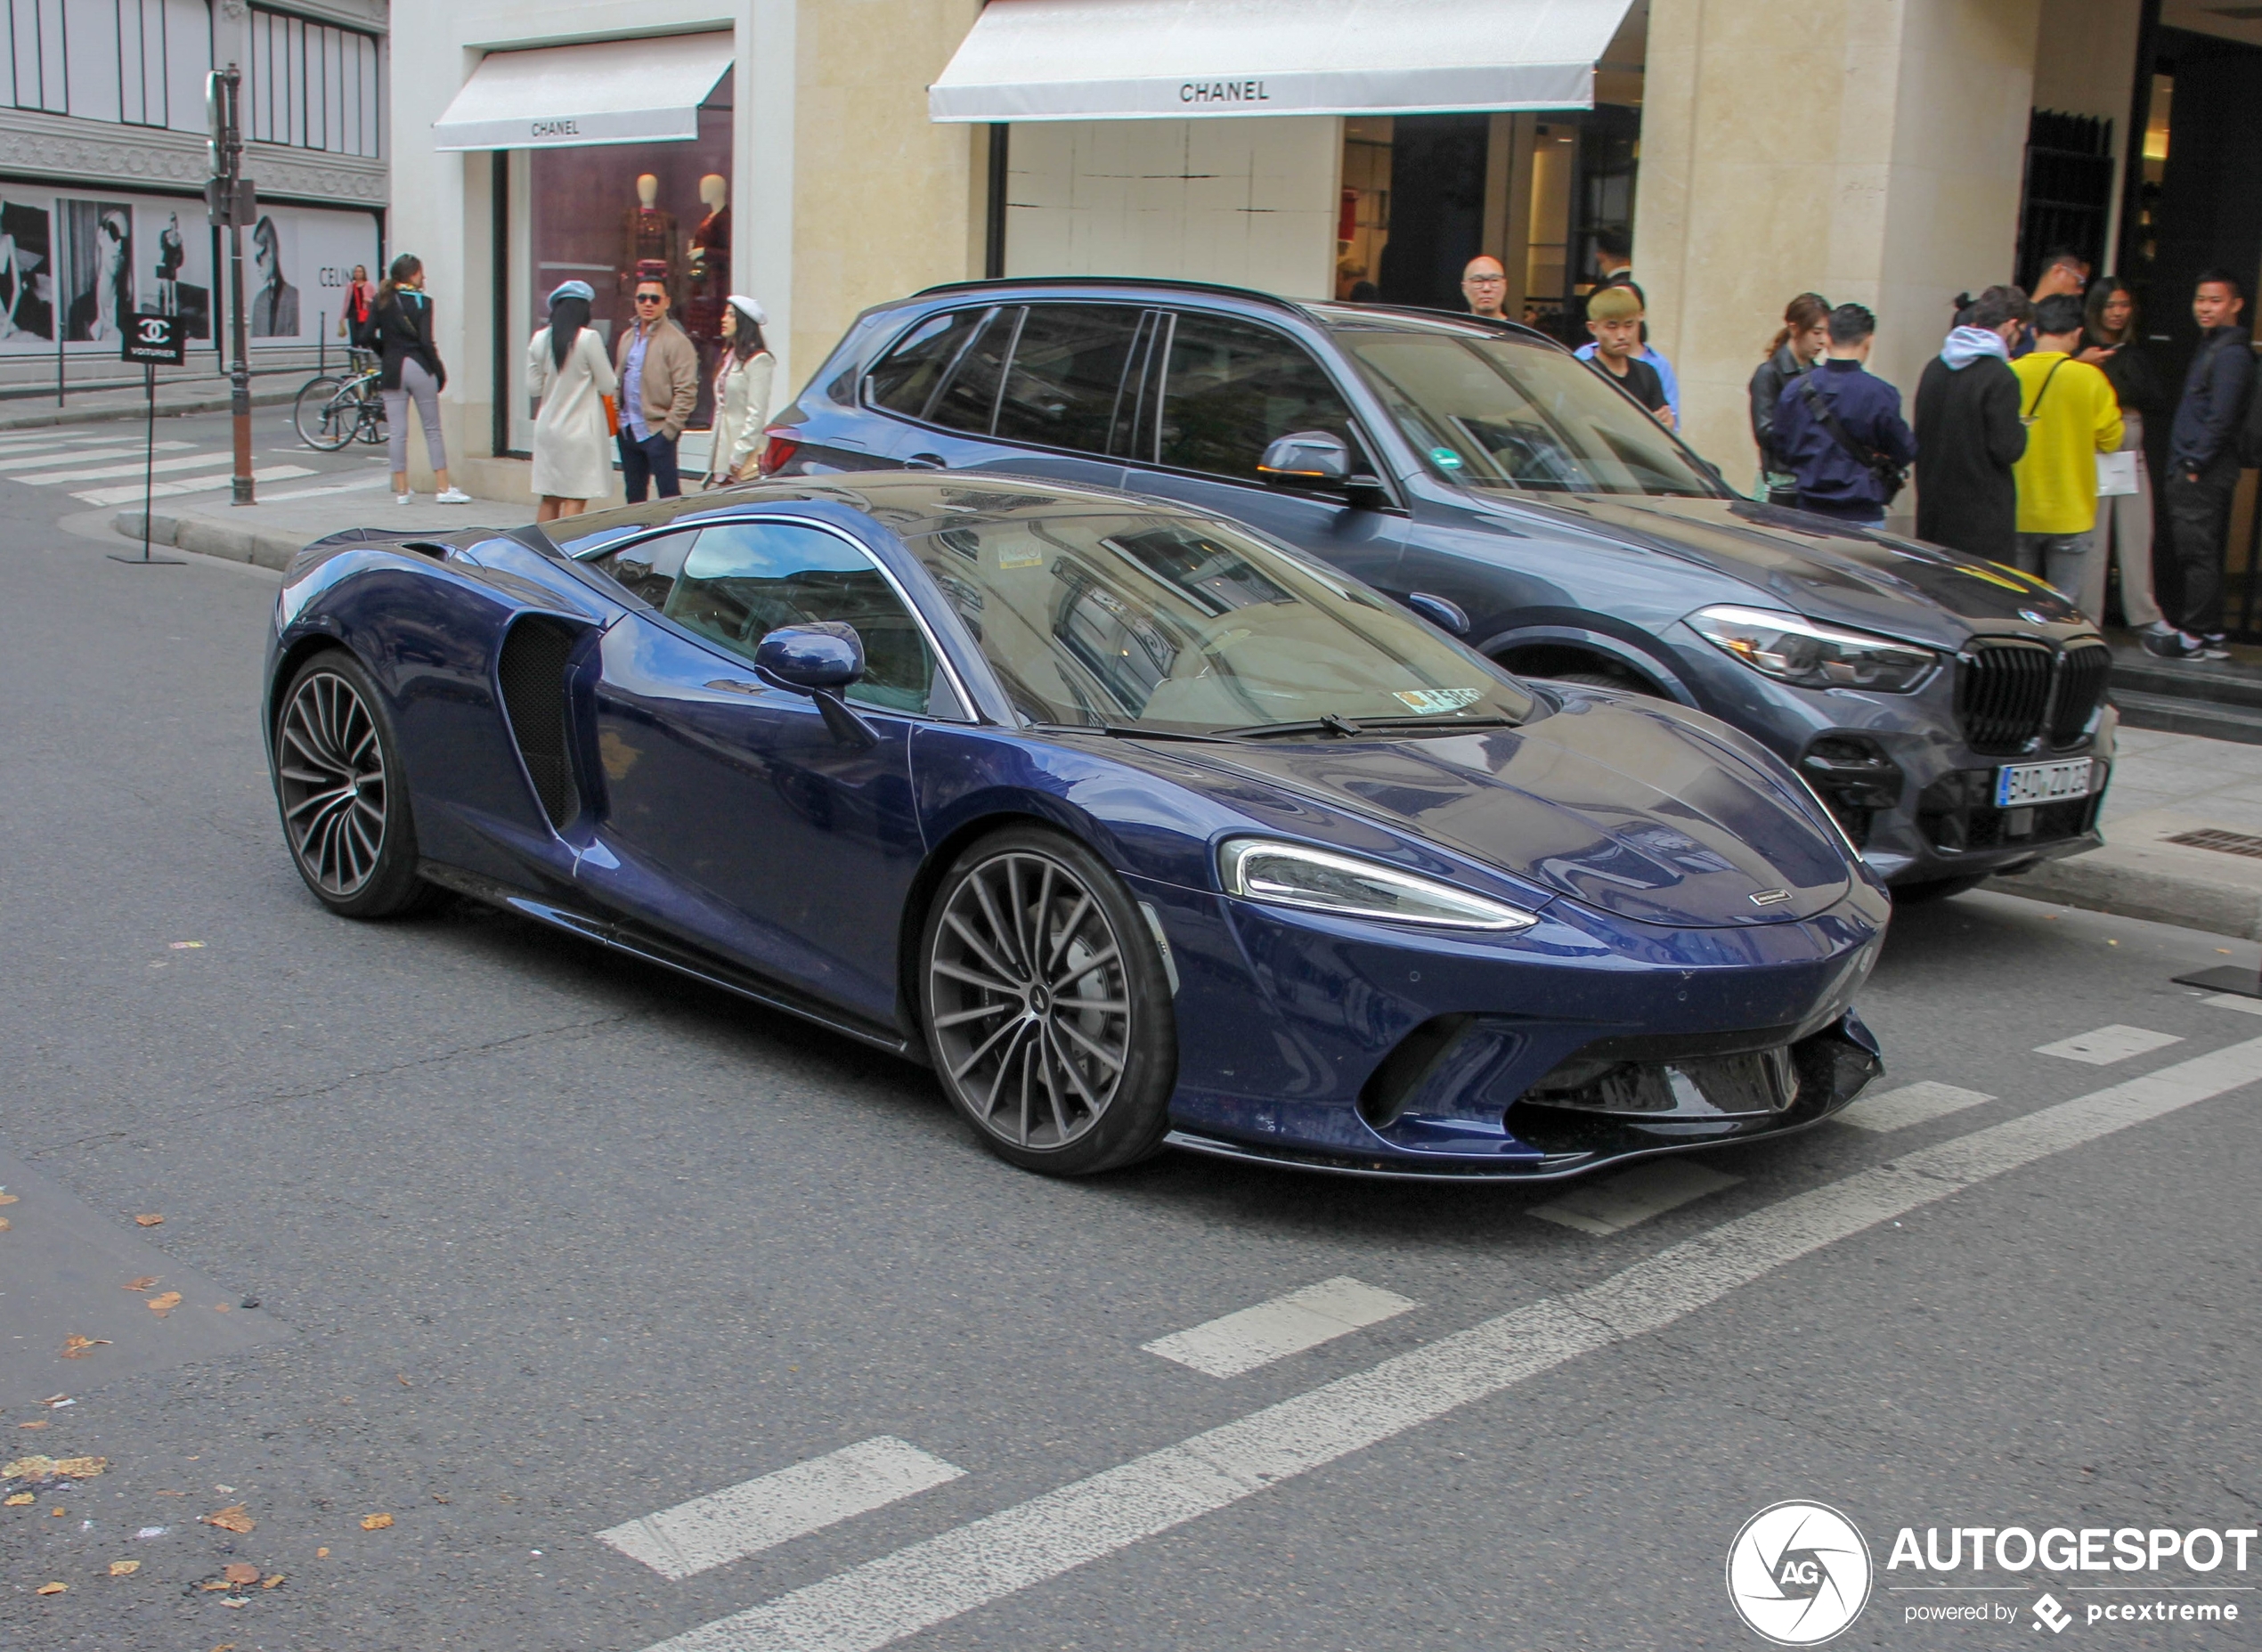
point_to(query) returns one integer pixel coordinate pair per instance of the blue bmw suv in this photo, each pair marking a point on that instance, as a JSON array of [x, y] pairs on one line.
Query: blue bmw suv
[[1951, 712]]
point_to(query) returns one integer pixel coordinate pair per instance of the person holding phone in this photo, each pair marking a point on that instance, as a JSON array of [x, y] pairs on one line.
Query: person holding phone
[[2113, 343]]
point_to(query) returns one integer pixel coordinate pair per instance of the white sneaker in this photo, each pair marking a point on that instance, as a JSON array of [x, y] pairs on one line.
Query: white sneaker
[[453, 496], [404, 499]]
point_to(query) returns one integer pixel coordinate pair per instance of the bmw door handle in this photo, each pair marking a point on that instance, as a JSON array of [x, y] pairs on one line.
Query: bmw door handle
[[925, 461]]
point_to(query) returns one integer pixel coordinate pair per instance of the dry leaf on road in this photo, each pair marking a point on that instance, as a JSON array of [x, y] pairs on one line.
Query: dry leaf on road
[[232, 1518], [321, 1554], [376, 1522], [142, 1283], [9, 1198], [239, 1571], [150, 1220], [269, 1582], [164, 1304], [213, 1586], [5, 1225], [32, 1468], [52, 1588], [123, 1568], [18, 1500], [81, 1467], [41, 1424], [78, 1347]]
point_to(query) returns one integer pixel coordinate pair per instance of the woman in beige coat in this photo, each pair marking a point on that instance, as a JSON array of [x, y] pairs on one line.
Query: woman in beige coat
[[567, 365], [742, 394]]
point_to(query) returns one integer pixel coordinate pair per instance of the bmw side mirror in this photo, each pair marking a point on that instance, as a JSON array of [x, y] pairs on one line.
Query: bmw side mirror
[[818, 659], [1306, 459]]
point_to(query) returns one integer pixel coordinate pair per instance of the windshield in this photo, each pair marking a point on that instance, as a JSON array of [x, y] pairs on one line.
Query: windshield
[[1494, 413], [1156, 623]]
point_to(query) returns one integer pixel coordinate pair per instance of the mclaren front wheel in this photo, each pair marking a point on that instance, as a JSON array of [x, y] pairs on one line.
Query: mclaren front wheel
[[343, 800]]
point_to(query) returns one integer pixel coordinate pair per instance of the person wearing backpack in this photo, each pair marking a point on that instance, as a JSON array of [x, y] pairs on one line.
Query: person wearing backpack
[[1839, 431], [2204, 467], [2072, 415]]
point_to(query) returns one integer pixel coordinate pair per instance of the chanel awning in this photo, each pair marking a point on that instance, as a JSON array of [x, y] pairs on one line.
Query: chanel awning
[[1153, 59], [603, 92]]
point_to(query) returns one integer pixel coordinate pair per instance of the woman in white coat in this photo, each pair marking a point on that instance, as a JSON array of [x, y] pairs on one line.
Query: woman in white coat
[[742, 394], [568, 367]]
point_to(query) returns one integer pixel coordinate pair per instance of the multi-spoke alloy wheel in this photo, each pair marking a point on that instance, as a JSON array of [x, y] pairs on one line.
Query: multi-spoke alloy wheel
[[347, 824], [1039, 995]]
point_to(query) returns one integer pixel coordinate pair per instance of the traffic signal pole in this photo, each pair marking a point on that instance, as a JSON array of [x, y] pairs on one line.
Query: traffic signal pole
[[230, 201]]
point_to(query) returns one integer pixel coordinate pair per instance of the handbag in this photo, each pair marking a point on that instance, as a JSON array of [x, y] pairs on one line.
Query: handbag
[[2116, 474], [612, 415]]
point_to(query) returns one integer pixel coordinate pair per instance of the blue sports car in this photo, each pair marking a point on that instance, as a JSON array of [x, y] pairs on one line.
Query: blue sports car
[[1139, 827]]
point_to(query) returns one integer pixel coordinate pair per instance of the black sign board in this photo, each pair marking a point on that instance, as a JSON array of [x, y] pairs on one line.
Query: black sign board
[[155, 340]]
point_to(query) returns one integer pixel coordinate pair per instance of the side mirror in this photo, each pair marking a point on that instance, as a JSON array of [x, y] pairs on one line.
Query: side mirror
[[1306, 459], [823, 655], [1446, 616]]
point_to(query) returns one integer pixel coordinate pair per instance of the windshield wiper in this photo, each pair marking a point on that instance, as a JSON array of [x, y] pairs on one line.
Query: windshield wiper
[[1345, 728], [1121, 732]]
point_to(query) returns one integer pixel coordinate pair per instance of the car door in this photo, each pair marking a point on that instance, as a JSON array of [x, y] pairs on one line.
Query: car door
[[1220, 389], [1036, 389], [732, 814]]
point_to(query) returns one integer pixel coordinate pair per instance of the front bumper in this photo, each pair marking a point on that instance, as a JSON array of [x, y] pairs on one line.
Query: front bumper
[[1366, 1049]]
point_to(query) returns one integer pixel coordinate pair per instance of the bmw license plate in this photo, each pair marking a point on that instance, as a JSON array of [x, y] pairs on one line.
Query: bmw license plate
[[2018, 784]]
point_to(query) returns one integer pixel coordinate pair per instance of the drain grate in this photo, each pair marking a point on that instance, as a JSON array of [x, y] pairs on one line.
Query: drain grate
[[2222, 842]]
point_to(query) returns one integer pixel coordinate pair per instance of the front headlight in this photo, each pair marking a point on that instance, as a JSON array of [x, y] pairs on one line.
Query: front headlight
[[1291, 875], [1810, 655]]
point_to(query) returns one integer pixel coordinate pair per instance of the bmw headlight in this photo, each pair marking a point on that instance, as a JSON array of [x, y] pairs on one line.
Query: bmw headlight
[[1293, 874], [1810, 656]]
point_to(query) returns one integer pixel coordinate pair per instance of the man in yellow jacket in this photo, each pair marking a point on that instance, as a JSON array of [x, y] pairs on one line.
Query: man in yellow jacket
[[2072, 415]]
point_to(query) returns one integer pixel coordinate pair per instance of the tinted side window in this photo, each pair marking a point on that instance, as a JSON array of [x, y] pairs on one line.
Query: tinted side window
[[1232, 388], [1066, 382], [743, 580], [969, 401], [649, 567], [906, 381]]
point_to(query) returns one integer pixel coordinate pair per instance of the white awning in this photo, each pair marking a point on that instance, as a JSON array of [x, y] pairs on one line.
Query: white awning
[[1154, 59], [602, 92]]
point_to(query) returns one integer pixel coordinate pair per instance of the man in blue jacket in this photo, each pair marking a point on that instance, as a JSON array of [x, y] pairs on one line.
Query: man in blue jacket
[[1838, 428], [2203, 468]]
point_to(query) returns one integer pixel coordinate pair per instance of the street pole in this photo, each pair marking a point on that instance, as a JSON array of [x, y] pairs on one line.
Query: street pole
[[238, 370], [232, 200]]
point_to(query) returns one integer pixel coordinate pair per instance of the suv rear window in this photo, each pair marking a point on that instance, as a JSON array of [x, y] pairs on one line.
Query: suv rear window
[[904, 381], [1064, 388]]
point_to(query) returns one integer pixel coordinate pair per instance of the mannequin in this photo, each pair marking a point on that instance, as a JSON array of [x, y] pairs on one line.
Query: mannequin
[[711, 241], [647, 234]]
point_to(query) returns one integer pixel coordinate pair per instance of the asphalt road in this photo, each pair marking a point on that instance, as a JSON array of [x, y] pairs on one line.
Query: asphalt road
[[542, 1243]]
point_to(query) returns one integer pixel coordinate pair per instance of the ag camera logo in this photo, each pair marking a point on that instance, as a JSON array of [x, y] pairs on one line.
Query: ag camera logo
[[1798, 1574]]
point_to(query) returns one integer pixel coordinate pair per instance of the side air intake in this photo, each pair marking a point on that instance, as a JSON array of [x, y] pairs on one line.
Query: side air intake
[[532, 670]]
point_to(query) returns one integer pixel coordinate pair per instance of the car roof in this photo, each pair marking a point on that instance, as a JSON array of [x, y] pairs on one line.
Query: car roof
[[1333, 315]]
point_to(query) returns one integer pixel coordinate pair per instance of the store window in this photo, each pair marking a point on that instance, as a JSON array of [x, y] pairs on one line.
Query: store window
[[614, 214], [314, 85]]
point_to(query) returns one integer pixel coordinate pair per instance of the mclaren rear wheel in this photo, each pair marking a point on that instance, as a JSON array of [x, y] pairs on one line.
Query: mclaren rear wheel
[[1046, 1006], [343, 800]]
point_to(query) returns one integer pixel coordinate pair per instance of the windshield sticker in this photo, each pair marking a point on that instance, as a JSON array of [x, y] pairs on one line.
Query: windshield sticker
[[1445, 457], [1429, 702], [1026, 557]]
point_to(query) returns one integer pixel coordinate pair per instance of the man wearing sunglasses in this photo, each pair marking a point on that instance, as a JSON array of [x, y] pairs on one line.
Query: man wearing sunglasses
[[659, 370]]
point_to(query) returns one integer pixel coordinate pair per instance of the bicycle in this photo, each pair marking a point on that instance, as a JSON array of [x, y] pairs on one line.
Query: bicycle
[[330, 412]]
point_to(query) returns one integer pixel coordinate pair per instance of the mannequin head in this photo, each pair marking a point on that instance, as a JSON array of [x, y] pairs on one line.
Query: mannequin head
[[714, 190], [647, 189]]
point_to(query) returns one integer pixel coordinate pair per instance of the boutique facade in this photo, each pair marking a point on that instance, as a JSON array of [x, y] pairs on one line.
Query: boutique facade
[[102, 166]]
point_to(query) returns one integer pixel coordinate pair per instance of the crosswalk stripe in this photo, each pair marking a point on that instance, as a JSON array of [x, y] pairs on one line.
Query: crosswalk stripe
[[973, 1566], [88, 455], [1912, 1104], [2108, 1045], [185, 462], [360, 484], [759, 1514], [198, 484], [1613, 1204], [48, 438], [1234, 1343], [2233, 1001]]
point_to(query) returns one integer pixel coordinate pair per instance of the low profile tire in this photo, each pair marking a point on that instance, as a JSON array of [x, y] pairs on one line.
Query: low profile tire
[[1047, 1008], [1938, 888], [342, 795]]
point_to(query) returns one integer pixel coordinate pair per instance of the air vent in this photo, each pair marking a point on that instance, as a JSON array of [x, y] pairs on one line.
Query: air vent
[[532, 670]]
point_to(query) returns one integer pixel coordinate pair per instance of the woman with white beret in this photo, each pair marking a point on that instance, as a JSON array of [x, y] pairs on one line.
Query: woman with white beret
[[567, 366], [742, 394]]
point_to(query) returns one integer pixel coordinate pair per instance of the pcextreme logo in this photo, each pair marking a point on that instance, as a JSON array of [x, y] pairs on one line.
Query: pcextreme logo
[[1798, 1574]]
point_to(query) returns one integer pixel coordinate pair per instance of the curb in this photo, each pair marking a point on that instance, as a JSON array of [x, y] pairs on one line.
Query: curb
[[207, 538], [2143, 874]]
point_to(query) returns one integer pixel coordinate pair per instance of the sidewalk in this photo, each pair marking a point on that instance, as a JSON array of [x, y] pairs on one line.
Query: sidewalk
[[194, 395], [271, 532]]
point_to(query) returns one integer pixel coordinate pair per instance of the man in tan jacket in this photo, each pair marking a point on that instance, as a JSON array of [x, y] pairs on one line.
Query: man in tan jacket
[[659, 370]]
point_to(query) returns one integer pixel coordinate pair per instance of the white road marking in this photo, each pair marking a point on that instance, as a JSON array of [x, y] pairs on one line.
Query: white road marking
[[198, 484], [187, 462], [1271, 1331], [359, 486], [1912, 1104], [969, 1567], [22, 460], [760, 1514], [1613, 1204], [2108, 1045], [48, 439], [2232, 1001]]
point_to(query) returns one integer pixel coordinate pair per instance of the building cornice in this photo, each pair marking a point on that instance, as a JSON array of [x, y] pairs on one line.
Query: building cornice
[[93, 154]]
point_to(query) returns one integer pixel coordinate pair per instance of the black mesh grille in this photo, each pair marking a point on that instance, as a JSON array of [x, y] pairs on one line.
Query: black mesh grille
[[2081, 685], [532, 670], [2003, 693]]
